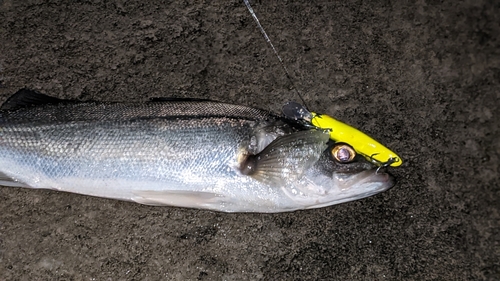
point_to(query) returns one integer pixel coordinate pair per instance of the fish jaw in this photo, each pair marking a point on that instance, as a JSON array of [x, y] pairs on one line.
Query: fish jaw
[[317, 190]]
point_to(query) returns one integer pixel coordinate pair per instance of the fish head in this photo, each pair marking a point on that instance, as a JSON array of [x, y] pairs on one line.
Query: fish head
[[313, 171], [338, 176]]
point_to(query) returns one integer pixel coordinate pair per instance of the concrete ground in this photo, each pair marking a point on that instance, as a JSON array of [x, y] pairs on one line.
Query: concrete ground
[[423, 78]]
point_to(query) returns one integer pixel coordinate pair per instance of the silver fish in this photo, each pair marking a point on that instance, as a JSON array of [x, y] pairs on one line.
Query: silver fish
[[197, 153]]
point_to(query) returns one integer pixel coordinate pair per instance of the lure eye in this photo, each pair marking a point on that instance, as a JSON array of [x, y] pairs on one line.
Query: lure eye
[[343, 153]]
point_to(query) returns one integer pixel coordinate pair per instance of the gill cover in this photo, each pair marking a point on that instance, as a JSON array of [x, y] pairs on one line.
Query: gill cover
[[287, 158]]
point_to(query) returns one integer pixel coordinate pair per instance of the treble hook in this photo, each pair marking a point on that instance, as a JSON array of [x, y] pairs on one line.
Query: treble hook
[[385, 164]]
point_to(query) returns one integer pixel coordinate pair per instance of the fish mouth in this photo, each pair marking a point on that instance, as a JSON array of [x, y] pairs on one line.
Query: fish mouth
[[372, 180], [345, 187]]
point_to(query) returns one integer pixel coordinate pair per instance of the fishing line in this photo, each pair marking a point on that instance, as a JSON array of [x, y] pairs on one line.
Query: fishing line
[[268, 40]]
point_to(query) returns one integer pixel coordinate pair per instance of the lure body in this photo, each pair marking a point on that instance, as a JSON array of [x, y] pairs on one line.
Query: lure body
[[341, 132], [361, 142]]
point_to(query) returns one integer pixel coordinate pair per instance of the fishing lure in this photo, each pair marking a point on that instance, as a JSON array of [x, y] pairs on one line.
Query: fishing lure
[[339, 131], [342, 132]]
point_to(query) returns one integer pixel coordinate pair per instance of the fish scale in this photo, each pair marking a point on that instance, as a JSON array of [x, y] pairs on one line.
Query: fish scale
[[132, 143]]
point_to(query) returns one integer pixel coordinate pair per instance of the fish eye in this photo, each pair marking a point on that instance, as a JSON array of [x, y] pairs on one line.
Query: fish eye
[[343, 153]]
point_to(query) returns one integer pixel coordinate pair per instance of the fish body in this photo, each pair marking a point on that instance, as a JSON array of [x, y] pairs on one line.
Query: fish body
[[195, 153]]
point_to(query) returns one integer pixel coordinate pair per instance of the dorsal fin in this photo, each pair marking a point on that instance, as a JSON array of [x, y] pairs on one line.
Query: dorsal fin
[[27, 98], [160, 99]]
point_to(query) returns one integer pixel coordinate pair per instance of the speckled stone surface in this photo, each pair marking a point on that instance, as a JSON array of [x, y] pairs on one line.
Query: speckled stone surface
[[423, 78]]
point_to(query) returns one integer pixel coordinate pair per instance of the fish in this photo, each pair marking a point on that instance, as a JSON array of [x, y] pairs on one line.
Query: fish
[[179, 152]]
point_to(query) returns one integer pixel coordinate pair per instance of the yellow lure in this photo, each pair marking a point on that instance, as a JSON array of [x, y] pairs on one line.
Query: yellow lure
[[362, 143]]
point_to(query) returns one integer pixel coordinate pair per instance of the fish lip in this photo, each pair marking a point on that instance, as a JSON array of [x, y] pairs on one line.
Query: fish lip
[[386, 180], [351, 187], [381, 177]]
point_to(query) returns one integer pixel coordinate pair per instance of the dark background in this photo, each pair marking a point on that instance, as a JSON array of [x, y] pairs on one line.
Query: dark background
[[423, 78]]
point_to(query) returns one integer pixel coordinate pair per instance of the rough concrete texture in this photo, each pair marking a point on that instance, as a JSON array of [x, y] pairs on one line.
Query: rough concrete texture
[[423, 78]]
